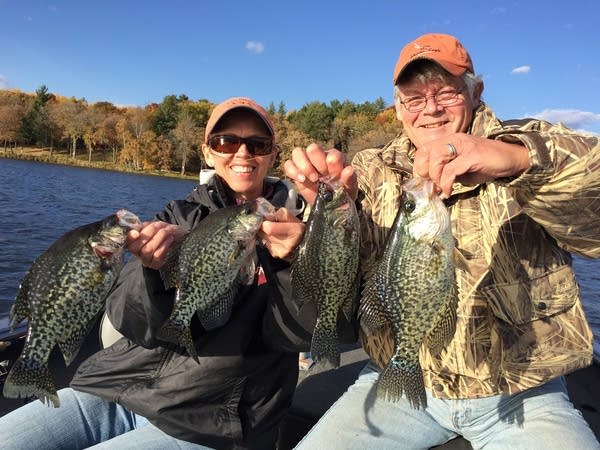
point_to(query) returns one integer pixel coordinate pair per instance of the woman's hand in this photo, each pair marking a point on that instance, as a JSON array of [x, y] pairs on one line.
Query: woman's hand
[[152, 243], [469, 159], [306, 166], [281, 236]]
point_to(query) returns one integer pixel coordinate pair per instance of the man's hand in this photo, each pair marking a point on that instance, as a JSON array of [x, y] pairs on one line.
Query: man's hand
[[477, 160], [307, 166]]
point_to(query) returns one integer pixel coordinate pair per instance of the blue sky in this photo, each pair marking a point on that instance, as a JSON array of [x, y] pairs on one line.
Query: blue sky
[[537, 58]]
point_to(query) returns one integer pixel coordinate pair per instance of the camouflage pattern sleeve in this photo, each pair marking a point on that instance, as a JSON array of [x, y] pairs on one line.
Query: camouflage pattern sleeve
[[561, 190]]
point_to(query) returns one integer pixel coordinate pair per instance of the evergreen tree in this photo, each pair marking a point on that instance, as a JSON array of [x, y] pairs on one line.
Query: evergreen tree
[[35, 129]]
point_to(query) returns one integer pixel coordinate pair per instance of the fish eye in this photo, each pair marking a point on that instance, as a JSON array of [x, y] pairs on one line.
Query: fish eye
[[409, 206], [247, 209], [328, 195]]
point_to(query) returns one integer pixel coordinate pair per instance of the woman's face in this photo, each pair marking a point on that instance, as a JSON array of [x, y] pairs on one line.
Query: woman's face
[[243, 172]]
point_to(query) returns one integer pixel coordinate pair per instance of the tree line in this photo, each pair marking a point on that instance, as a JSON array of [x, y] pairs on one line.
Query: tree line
[[166, 136]]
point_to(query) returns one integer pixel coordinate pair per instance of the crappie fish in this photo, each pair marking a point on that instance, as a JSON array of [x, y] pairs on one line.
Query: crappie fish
[[207, 267], [413, 289], [63, 290], [325, 271]]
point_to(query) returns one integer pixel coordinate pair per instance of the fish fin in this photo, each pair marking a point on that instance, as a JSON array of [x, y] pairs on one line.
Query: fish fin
[[20, 307], [247, 270], [299, 296], [219, 312], [177, 333], [186, 340], [460, 261], [71, 345], [304, 277], [239, 249], [403, 377], [324, 348], [371, 314], [351, 302], [441, 332], [169, 270], [28, 379]]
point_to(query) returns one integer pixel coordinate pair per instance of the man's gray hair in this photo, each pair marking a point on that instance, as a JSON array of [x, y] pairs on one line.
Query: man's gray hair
[[428, 70]]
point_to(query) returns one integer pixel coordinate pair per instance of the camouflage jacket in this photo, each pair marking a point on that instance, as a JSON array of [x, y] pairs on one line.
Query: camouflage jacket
[[520, 319]]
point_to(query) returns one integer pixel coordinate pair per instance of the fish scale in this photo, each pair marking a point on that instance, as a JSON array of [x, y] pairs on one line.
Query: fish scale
[[207, 267], [413, 288], [63, 290], [325, 271]]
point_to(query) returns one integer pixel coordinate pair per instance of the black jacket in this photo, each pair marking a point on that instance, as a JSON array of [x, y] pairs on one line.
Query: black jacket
[[236, 396]]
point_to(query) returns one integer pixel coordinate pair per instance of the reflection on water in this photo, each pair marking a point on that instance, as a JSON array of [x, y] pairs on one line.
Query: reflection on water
[[39, 202]]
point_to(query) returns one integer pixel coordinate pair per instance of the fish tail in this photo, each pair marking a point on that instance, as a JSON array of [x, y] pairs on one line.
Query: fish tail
[[324, 346], [178, 334], [28, 378], [402, 376]]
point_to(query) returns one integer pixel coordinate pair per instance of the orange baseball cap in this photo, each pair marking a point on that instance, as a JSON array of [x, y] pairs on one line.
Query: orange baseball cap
[[233, 103], [443, 49]]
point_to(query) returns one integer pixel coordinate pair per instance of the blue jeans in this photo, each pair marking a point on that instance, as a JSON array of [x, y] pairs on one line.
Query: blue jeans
[[540, 418], [82, 421]]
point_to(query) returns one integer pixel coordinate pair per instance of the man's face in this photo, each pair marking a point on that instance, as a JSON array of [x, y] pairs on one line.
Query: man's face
[[435, 121]]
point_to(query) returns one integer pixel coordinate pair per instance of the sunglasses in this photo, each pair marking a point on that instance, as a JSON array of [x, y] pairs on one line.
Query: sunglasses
[[257, 146]]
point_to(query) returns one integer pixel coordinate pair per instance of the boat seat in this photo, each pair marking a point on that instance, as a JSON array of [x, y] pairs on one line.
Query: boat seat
[[108, 333]]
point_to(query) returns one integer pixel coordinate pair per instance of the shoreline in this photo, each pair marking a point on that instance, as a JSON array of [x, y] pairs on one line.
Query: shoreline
[[62, 158]]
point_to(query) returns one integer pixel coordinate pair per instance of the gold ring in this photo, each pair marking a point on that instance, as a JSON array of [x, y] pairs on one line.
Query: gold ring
[[452, 151]]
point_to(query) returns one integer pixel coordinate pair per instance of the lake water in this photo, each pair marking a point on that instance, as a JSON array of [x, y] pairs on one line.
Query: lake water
[[40, 202]]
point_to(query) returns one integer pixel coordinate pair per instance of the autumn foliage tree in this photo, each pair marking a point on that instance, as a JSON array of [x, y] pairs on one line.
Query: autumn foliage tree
[[168, 135], [12, 112], [187, 136]]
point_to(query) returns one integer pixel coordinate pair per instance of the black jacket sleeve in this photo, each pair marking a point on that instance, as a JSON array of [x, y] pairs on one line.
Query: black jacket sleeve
[[139, 303]]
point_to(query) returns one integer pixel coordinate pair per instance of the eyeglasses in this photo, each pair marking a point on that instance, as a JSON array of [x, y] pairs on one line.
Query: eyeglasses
[[257, 146], [442, 98]]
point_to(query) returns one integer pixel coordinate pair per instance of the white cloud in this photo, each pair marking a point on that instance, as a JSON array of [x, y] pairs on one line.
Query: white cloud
[[3, 82], [520, 70], [573, 118], [255, 47]]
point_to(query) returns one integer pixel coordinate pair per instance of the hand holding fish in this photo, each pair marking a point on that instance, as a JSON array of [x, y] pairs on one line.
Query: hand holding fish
[[307, 166], [282, 235], [152, 243], [469, 160]]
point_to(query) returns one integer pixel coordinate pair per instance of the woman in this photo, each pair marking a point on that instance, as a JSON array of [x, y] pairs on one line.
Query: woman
[[143, 392]]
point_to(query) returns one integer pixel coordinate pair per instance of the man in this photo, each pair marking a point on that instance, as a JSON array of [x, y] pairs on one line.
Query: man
[[521, 195]]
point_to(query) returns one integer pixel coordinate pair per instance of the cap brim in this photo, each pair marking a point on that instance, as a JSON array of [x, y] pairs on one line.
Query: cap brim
[[237, 103], [449, 67]]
